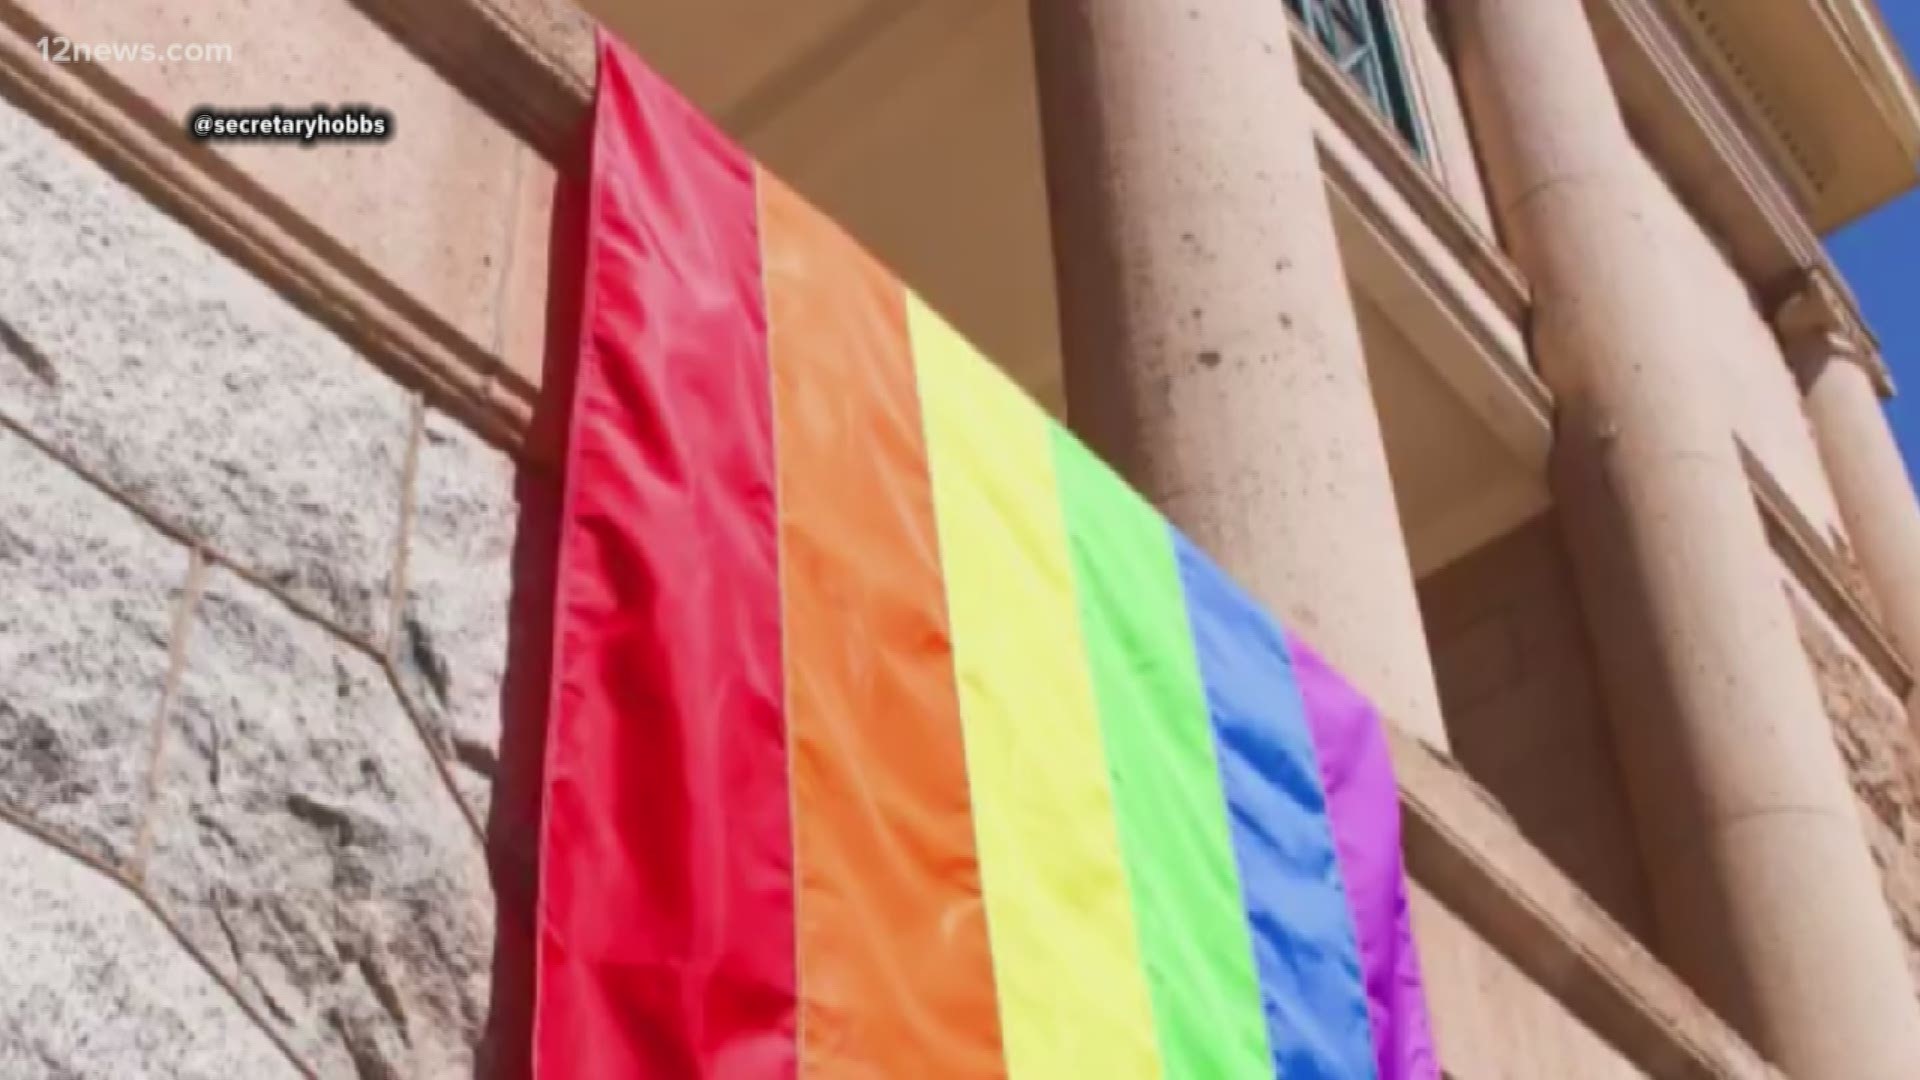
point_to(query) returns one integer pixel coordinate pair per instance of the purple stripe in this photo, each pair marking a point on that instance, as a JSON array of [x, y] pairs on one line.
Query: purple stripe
[[1364, 805]]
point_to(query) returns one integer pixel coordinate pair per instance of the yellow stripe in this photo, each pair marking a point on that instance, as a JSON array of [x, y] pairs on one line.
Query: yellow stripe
[[1073, 998]]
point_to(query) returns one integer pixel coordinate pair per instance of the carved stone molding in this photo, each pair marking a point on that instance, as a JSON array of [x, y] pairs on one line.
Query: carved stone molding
[[1817, 322], [528, 62], [1464, 849], [150, 152], [1821, 87], [1827, 575], [1699, 142]]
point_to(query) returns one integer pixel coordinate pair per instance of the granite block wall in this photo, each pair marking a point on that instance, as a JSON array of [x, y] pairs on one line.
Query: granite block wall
[[1877, 743], [253, 622]]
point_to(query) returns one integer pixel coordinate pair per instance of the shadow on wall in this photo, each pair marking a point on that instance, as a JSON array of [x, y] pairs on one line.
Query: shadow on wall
[[514, 822]]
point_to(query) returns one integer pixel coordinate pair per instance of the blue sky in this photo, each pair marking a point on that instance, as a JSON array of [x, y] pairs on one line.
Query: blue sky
[[1880, 255]]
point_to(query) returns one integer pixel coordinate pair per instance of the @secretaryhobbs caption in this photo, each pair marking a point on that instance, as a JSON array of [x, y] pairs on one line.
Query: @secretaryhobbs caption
[[306, 126]]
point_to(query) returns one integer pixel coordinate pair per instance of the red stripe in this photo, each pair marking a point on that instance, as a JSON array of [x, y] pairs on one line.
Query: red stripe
[[666, 936]]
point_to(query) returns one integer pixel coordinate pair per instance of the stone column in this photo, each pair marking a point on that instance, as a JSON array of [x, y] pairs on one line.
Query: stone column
[[1212, 350], [1766, 898], [1835, 360]]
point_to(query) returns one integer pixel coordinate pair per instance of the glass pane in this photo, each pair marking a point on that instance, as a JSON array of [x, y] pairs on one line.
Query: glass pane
[[1358, 35], [1347, 40], [1352, 12], [1352, 20], [1321, 24]]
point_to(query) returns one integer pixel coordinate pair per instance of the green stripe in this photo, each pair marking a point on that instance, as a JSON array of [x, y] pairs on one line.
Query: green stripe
[[1165, 776]]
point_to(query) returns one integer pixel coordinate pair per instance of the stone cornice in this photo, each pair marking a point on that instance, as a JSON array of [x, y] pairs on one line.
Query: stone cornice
[[1696, 138], [528, 62], [1464, 849], [1707, 152], [1822, 89]]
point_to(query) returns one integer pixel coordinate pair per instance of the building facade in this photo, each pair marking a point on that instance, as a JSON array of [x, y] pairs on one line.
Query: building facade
[[1490, 342]]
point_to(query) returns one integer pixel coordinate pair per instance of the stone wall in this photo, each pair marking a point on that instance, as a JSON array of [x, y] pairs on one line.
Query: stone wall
[[1526, 721], [253, 625], [1884, 764], [1524, 710]]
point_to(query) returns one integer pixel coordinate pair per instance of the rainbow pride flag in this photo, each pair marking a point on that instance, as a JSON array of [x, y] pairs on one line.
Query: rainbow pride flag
[[893, 735]]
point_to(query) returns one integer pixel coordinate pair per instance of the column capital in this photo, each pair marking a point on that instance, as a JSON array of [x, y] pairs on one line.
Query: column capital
[[1817, 320]]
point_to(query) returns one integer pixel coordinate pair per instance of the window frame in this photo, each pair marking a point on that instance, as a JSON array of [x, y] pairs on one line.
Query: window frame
[[1377, 67]]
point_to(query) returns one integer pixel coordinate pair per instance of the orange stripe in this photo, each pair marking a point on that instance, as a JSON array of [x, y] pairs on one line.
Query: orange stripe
[[896, 978]]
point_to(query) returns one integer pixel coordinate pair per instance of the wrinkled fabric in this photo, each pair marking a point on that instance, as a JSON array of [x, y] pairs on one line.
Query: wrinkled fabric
[[891, 733], [1296, 903], [1363, 806], [1163, 767], [895, 968], [665, 944], [1073, 996]]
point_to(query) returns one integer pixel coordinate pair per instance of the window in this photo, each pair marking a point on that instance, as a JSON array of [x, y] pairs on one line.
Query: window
[[1359, 35]]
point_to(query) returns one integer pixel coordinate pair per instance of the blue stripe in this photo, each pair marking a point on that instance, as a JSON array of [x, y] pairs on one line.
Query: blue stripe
[[1303, 938]]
